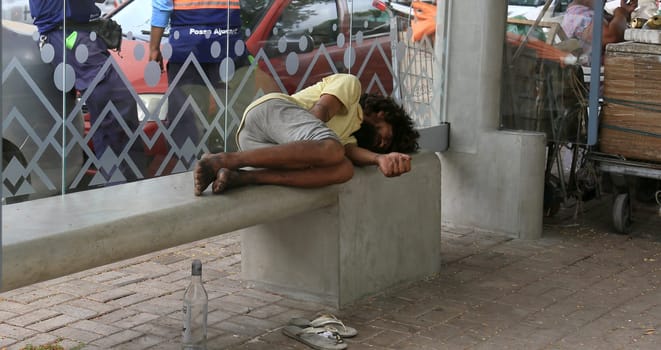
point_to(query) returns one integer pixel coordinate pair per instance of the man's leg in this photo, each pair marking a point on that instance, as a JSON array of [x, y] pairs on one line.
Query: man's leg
[[301, 163], [188, 85], [305, 178], [111, 134]]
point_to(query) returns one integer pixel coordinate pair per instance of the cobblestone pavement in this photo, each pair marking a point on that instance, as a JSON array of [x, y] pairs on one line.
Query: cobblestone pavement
[[579, 287]]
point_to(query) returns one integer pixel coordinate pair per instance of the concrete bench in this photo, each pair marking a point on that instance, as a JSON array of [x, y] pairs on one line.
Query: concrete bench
[[333, 244]]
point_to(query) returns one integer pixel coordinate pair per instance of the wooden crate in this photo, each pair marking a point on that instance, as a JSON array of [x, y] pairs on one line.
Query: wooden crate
[[630, 123]]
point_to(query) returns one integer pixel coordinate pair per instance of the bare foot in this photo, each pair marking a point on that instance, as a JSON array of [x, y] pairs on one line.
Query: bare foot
[[205, 171], [226, 179]]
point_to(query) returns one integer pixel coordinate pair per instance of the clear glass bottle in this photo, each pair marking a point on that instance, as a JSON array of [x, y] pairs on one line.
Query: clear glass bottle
[[195, 309]]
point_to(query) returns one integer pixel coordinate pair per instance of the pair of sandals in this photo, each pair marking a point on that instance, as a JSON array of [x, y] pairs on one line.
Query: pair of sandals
[[325, 332]]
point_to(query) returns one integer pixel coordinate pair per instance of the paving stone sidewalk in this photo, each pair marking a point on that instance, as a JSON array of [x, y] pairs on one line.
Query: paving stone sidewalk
[[581, 286]]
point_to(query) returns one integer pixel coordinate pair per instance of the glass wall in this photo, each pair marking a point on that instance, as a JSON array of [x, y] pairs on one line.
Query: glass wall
[[544, 85], [587, 88], [76, 116], [545, 88]]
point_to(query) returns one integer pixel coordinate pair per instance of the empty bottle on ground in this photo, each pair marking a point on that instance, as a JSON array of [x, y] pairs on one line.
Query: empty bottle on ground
[[195, 311]]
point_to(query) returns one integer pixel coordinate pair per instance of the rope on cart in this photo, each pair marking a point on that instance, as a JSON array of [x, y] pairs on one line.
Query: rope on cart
[[645, 106], [639, 105], [633, 131]]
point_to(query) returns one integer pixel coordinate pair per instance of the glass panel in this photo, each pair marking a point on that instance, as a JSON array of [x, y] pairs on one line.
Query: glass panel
[[36, 157], [300, 44], [406, 35], [370, 53], [544, 87], [368, 20], [552, 83], [80, 116], [111, 142]]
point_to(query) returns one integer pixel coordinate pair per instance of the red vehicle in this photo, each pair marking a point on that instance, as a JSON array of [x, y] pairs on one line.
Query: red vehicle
[[294, 44]]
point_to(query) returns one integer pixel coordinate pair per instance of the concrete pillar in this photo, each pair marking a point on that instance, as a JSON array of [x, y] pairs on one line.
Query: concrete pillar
[[492, 180]]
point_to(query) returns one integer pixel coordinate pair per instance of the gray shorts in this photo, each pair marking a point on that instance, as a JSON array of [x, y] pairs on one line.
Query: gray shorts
[[277, 121]]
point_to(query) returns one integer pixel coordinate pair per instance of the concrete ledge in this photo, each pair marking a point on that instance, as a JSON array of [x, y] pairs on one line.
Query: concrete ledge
[[334, 244], [52, 237], [381, 232]]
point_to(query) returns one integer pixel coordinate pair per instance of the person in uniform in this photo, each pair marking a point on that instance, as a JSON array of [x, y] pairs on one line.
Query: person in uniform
[[200, 33], [66, 27]]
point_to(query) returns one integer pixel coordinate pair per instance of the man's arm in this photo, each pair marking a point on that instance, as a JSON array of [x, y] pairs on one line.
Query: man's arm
[[614, 30], [327, 106], [160, 18], [155, 45], [390, 164]]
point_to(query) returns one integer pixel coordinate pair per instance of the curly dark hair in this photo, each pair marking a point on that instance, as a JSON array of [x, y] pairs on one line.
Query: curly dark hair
[[405, 137]]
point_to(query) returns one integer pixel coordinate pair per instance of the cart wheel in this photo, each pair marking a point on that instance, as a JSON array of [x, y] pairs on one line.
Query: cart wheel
[[622, 213]]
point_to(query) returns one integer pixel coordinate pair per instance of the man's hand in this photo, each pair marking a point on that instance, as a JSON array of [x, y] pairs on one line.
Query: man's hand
[[629, 5], [155, 46], [614, 30], [155, 55], [626, 8], [391, 164], [394, 164]]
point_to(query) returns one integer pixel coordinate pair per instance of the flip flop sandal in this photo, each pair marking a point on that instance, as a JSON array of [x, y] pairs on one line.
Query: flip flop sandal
[[319, 338], [325, 320]]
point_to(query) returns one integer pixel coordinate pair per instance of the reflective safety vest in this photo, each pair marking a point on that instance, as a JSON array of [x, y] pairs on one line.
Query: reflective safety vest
[[206, 4], [195, 25]]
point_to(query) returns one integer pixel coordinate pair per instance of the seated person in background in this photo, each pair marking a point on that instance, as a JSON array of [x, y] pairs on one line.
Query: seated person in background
[[313, 138], [577, 23]]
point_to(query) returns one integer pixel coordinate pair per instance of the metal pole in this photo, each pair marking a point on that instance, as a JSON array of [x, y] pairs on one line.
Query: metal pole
[[595, 70], [1, 205]]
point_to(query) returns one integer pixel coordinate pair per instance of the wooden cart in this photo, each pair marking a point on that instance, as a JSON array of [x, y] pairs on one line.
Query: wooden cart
[[630, 122]]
